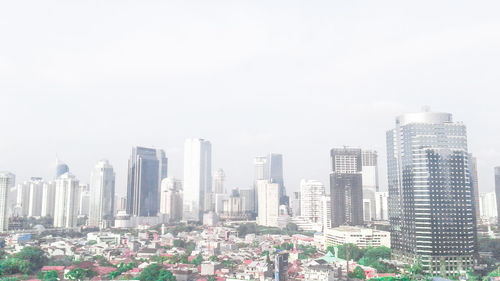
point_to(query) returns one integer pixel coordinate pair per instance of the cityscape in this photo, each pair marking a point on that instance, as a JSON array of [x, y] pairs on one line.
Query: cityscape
[[427, 224], [249, 140]]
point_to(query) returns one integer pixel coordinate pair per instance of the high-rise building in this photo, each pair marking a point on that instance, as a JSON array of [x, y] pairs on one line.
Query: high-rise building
[[35, 196], [311, 192], [326, 212], [197, 179], [281, 266], [497, 191], [219, 179], [488, 206], [346, 187], [147, 167], [382, 211], [369, 173], [475, 185], [270, 168], [295, 204], [6, 182], [83, 200], [248, 198], [67, 197], [102, 195], [269, 203], [431, 203], [48, 199], [61, 168], [171, 199]]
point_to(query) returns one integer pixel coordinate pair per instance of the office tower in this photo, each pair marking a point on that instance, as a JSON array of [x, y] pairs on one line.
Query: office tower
[[219, 203], [488, 206], [295, 204], [369, 172], [232, 207], [382, 211], [61, 168], [102, 195], [197, 178], [171, 199], [346, 187], [326, 212], [431, 208], [269, 203], [219, 179], [83, 200], [475, 185], [270, 168], [67, 201], [497, 192], [48, 199], [311, 192], [146, 168], [6, 182], [281, 266], [35, 197]]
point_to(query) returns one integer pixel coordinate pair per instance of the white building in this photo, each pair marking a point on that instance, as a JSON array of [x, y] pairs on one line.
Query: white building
[[171, 199], [218, 182], [6, 182], [362, 237], [488, 205], [23, 198], [382, 211], [326, 212], [311, 192], [35, 186], [197, 178], [66, 208], [369, 176], [48, 199], [83, 200], [102, 195], [269, 203]]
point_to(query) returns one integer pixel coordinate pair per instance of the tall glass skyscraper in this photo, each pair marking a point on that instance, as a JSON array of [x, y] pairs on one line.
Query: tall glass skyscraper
[[431, 204], [6, 182], [197, 178], [102, 195], [146, 168]]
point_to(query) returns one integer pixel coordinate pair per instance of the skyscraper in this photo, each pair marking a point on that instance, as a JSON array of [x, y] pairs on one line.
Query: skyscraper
[[346, 187], [61, 168], [6, 182], [35, 197], [311, 192], [67, 195], [381, 201], [475, 185], [171, 199], [48, 199], [369, 173], [23, 198], [497, 191], [219, 179], [146, 168], [197, 178], [102, 194], [431, 204], [83, 200], [270, 168], [269, 203]]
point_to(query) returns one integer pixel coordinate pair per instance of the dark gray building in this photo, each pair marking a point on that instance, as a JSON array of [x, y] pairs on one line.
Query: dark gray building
[[147, 167], [346, 187], [431, 198]]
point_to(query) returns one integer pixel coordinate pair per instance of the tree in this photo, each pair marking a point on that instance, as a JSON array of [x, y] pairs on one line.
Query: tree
[[213, 258], [198, 260], [154, 272], [34, 256], [371, 255], [357, 273], [80, 274], [355, 253], [50, 275], [91, 242]]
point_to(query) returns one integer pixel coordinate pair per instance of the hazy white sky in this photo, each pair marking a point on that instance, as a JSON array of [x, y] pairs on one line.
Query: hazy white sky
[[87, 80]]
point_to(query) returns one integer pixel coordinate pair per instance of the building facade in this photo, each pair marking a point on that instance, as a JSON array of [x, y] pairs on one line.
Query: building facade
[[497, 191], [431, 203], [197, 179], [171, 199], [147, 167], [6, 182], [346, 186], [102, 195], [311, 192], [361, 237], [66, 198], [369, 173], [269, 203]]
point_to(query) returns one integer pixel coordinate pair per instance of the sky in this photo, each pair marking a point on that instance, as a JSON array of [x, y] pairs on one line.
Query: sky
[[87, 80]]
